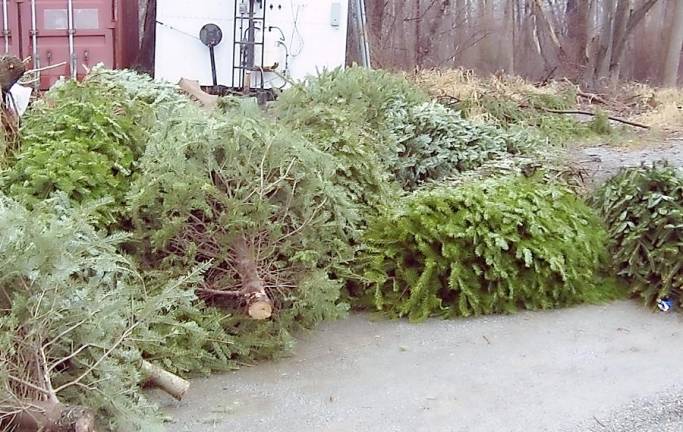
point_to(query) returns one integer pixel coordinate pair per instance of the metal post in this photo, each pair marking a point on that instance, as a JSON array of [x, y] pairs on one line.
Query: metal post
[[363, 28], [251, 48], [5, 25], [213, 67], [34, 40], [251, 36], [236, 39], [263, 41], [72, 48]]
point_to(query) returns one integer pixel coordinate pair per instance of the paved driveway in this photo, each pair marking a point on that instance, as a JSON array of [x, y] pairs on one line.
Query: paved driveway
[[616, 367]]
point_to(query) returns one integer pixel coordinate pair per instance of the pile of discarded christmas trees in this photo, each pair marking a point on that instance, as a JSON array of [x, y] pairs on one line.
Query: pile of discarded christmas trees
[[144, 237], [150, 232]]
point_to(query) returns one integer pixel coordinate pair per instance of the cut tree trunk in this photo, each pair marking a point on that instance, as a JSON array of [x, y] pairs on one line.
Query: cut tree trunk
[[166, 381], [193, 89], [251, 294], [49, 416], [259, 305]]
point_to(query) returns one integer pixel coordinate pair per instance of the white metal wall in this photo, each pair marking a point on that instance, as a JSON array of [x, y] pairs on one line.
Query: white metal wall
[[302, 37]]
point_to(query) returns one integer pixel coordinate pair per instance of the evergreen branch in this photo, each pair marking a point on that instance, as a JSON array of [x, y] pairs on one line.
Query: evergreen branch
[[100, 360], [30, 385], [66, 332], [45, 373], [69, 357], [305, 223]]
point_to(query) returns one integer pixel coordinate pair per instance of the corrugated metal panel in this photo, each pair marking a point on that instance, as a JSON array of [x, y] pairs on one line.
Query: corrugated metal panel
[[10, 28], [73, 34], [77, 33]]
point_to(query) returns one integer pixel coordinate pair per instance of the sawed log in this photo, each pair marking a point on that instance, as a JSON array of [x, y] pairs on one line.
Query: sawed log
[[193, 89], [259, 304], [164, 380], [253, 291]]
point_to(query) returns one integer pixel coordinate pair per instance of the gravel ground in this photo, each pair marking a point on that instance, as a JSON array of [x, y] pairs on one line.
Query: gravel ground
[[602, 162], [593, 368], [659, 413]]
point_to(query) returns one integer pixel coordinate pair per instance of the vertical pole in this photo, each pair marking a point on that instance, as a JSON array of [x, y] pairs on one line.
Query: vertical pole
[[263, 41], [251, 48], [72, 48], [363, 29], [251, 36], [235, 53], [418, 33], [34, 39], [213, 67], [5, 25]]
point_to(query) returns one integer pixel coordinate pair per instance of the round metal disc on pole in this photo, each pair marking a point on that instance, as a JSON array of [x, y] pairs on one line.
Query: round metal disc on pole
[[211, 35]]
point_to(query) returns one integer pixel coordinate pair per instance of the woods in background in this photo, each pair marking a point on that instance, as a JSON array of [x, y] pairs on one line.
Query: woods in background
[[595, 42]]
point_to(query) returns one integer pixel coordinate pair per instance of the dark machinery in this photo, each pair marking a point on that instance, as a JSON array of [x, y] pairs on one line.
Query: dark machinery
[[250, 17], [248, 52]]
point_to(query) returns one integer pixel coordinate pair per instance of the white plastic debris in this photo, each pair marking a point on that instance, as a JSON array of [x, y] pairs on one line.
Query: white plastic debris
[[21, 96]]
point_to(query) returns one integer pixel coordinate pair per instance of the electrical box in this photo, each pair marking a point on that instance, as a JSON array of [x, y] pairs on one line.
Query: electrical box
[[292, 39], [335, 19]]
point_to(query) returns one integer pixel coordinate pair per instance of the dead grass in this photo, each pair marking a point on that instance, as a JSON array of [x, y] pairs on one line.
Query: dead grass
[[457, 85], [665, 111], [494, 98]]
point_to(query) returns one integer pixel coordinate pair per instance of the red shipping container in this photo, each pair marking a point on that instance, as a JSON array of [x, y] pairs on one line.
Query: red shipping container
[[73, 34]]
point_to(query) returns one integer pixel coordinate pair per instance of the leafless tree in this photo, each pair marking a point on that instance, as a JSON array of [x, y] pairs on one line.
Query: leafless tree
[[673, 52], [594, 42]]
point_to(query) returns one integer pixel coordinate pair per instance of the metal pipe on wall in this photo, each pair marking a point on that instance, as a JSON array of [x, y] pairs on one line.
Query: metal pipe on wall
[[72, 48], [5, 25], [251, 48], [34, 39]]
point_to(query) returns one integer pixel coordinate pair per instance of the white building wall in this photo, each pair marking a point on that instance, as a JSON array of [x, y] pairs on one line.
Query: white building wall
[[301, 37]]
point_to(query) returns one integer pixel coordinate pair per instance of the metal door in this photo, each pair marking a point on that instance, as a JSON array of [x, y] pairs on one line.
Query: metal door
[[11, 40], [74, 34]]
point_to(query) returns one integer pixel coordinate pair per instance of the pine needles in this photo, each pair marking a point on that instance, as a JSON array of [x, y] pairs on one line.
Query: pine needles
[[71, 309], [248, 199], [487, 247], [644, 212], [242, 227]]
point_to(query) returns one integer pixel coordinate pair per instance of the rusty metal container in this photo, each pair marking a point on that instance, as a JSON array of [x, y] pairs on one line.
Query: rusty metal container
[[72, 35]]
